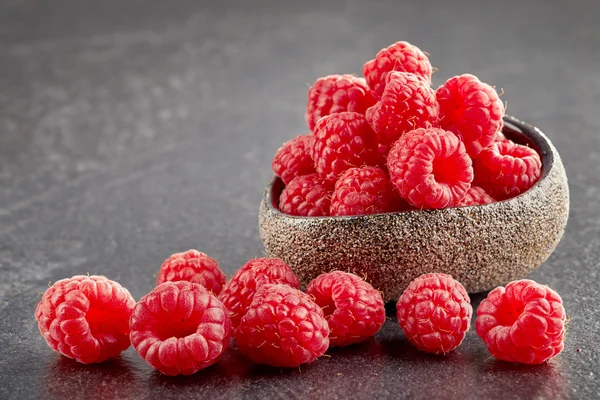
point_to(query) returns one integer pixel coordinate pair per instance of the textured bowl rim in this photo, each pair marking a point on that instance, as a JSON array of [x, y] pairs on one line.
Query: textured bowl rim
[[514, 129]]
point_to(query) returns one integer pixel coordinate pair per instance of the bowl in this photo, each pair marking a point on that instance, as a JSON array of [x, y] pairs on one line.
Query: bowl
[[481, 246]]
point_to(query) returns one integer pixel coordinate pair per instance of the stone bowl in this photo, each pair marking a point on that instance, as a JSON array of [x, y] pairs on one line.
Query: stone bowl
[[481, 246]]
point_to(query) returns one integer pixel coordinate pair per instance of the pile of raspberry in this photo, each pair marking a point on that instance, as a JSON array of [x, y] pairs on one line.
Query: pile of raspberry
[[186, 323], [389, 142]]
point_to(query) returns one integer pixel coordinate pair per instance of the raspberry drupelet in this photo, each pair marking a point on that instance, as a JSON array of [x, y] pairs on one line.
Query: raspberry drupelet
[[506, 169], [430, 168], [283, 328], [407, 103], [337, 93], [353, 308], [472, 110], [192, 266], [400, 56], [523, 322], [237, 294], [86, 318], [435, 313], [180, 328], [294, 158], [475, 196], [308, 195]]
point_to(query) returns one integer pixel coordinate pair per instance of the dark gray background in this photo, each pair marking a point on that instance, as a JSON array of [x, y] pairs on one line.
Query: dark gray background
[[133, 129]]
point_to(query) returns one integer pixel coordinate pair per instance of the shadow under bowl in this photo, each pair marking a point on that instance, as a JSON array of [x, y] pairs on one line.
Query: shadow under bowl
[[481, 246]]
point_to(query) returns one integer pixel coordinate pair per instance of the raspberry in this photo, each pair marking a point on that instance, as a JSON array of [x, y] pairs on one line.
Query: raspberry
[[435, 313], [354, 309], [337, 93], [307, 195], [400, 56], [343, 141], [237, 294], [524, 322], [180, 328], [283, 328], [472, 110], [293, 158], [365, 190], [86, 318], [192, 266], [407, 103], [475, 196], [430, 168], [506, 169]]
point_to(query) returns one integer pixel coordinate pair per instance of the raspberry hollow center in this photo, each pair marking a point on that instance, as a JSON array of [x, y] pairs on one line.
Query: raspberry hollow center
[[509, 312], [446, 170], [103, 319], [177, 326]]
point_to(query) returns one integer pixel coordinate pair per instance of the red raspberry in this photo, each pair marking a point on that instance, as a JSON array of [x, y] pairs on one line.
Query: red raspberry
[[192, 266], [400, 56], [354, 309], [237, 294], [86, 318], [293, 158], [435, 313], [524, 322], [307, 195], [180, 328], [283, 328], [337, 93], [506, 169], [365, 190], [430, 168], [343, 141], [472, 110], [475, 196], [407, 103]]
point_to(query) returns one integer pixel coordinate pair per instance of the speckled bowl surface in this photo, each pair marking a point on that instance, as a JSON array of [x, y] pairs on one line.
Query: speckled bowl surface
[[481, 246]]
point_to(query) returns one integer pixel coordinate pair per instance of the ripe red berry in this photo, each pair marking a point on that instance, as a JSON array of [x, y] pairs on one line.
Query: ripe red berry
[[524, 322], [472, 110], [430, 168], [365, 190], [506, 169], [337, 93], [475, 196], [354, 309], [192, 266], [86, 318], [407, 103], [435, 313], [294, 158], [180, 328], [343, 141], [237, 294], [283, 328], [400, 56], [308, 195]]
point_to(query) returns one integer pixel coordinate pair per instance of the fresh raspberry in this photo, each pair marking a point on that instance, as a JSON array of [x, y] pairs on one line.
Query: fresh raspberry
[[193, 266], [365, 190], [308, 195], [354, 309], [337, 93], [283, 328], [430, 168], [400, 56], [293, 158], [476, 196], [435, 313], [524, 322], [407, 103], [180, 328], [343, 141], [506, 169], [86, 318], [237, 294], [472, 110]]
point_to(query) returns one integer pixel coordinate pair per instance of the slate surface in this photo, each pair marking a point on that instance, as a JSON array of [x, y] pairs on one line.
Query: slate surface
[[130, 130]]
